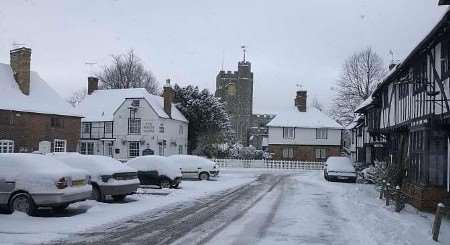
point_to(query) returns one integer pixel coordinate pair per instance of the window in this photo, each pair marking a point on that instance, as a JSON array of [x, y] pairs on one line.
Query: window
[[403, 90], [109, 149], [180, 149], [288, 133], [87, 148], [321, 133], [57, 122], [134, 126], [161, 128], [386, 98], [321, 153], [87, 128], [288, 152], [133, 149], [135, 103], [180, 130], [59, 145], [6, 146], [108, 127]]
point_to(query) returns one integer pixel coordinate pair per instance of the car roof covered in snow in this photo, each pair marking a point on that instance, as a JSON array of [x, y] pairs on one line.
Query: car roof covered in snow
[[191, 161], [312, 118], [94, 164], [163, 165], [101, 104], [339, 164], [42, 98], [35, 164]]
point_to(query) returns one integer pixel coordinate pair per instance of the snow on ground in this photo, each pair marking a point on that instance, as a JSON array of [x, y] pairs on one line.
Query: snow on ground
[[84, 216], [308, 210]]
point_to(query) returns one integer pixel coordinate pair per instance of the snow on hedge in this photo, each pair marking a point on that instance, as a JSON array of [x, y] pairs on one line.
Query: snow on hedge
[[163, 165]]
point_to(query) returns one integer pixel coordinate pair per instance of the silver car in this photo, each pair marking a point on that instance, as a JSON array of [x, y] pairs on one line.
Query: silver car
[[29, 181]]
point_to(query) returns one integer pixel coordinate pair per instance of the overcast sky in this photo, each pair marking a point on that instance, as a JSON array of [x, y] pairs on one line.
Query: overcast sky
[[289, 42]]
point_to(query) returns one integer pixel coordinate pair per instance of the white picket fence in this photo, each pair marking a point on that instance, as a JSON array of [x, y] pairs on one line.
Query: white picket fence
[[271, 164]]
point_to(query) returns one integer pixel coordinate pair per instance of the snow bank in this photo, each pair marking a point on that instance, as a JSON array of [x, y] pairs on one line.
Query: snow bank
[[163, 165], [35, 172]]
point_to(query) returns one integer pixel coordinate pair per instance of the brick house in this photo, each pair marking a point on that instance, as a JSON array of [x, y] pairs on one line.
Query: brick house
[[33, 117], [304, 133]]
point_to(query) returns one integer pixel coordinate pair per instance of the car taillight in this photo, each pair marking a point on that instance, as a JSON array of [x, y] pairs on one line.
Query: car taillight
[[62, 183], [105, 178]]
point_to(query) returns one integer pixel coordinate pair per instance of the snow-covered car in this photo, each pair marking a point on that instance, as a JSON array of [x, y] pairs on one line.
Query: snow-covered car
[[339, 168], [156, 170], [109, 177], [195, 166], [29, 181]]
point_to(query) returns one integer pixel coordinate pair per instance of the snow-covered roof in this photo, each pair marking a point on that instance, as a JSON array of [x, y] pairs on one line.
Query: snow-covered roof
[[312, 118], [354, 123], [101, 104], [42, 98], [364, 104]]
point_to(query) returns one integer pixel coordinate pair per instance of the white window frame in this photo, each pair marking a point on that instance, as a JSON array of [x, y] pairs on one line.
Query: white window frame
[[86, 128], [161, 128], [108, 127], [135, 152], [181, 130], [6, 146], [322, 133], [134, 126], [289, 133], [320, 153], [288, 152], [57, 147], [85, 151]]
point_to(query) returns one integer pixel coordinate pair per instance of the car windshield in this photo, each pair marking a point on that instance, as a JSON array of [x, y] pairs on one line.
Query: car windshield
[[253, 122]]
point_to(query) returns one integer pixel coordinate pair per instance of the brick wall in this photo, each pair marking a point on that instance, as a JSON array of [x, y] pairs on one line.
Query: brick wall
[[28, 129], [302, 152]]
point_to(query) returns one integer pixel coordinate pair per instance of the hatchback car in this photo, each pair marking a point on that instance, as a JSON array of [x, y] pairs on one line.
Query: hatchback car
[[156, 170], [109, 177], [339, 169], [29, 181], [195, 167]]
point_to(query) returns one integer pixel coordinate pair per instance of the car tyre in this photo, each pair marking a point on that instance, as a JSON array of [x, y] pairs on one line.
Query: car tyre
[[164, 183], [118, 198], [203, 176], [23, 202], [97, 194], [176, 185]]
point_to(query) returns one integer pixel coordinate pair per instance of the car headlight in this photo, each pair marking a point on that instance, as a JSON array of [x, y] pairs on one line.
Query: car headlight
[[105, 178]]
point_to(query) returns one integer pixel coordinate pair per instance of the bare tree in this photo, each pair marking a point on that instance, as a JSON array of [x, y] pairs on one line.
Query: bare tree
[[360, 75], [127, 71], [317, 104], [77, 96]]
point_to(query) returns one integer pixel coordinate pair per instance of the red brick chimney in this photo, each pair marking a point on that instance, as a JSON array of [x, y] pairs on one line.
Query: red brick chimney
[[92, 84], [168, 95], [20, 60], [300, 100]]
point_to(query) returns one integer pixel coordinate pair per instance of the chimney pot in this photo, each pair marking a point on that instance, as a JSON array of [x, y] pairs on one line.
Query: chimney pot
[[20, 61], [168, 95], [92, 84], [300, 100]]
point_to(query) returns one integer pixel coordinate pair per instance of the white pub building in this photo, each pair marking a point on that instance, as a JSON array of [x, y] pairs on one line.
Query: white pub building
[[126, 123]]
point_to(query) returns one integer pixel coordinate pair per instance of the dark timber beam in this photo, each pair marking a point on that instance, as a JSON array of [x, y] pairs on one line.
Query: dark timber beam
[[444, 2]]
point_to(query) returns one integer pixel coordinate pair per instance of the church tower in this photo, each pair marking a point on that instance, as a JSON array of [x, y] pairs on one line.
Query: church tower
[[236, 90]]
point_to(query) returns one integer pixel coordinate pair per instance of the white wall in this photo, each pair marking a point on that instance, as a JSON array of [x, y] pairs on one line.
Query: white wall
[[304, 136]]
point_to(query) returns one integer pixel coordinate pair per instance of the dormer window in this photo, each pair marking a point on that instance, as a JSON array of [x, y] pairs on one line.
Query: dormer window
[[135, 103], [161, 128]]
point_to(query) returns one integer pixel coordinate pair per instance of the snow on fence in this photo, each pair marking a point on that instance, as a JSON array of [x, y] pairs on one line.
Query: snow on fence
[[272, 164]]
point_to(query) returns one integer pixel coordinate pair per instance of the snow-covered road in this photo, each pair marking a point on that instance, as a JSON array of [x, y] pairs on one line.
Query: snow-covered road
[[244, 206]]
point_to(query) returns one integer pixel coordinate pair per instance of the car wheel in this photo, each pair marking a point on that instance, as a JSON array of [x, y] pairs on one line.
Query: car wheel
[[164, 184], [60, 208], [118, 198], [97, 194], [23, 202], [203, 176], [176, 185]]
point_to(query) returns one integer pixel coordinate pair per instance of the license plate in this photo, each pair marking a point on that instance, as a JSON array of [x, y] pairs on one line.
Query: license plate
[[78, 183]]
